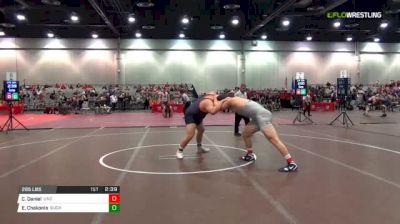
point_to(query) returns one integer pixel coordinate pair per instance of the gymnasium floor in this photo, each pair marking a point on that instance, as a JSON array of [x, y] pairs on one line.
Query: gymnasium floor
[[345, 175]]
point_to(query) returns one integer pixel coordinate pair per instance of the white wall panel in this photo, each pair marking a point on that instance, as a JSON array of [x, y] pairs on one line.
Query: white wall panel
[[142, 44], [207, 70], [7, 62], [220, 70], [48, 43], [271, 69], [68, 66], [319, 68], [262, 69], [299, 46], [209, 65], [383, 67]]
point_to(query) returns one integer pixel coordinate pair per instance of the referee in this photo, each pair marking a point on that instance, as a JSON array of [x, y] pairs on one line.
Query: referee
[[307, 104], [242, 94]]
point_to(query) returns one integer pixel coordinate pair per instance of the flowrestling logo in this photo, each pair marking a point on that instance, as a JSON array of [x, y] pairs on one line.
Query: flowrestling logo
[[354, 15]]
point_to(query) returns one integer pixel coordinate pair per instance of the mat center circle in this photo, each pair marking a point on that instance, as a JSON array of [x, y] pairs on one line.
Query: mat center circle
[[164, 158]]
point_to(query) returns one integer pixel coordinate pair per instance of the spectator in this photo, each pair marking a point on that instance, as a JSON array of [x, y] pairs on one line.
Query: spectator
[[114, 101]]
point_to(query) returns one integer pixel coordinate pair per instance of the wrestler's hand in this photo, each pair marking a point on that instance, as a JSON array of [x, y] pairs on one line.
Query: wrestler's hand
[[224, 104]]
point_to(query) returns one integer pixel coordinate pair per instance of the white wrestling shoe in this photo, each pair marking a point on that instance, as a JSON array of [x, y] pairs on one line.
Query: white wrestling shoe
[[201, 149], [179, 154]]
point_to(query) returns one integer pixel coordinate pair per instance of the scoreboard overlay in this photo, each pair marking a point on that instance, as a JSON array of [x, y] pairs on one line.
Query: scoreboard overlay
[[69, 199]]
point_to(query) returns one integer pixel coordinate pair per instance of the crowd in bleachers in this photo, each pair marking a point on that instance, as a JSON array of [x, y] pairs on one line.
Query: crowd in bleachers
[[68, 98], [387, 94], [273, 99], [270, 98]]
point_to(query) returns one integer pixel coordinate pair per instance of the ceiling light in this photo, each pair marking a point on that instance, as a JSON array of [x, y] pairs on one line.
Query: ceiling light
[[232, 6], [2, 33], [316, 8], [216, 27], [21, 17], [145, 4], [349, 39], [222, 36], [235, 20], [51, 2], [131, 19], [286, 22], [185, 20], [181, 35], [138, 34], [264, 37], [337, 24], [95, 35], [384, 25], [309, 38], [74, 18], [50, 35], [352, 25], [148, 27], [376, 39], [7, 25]]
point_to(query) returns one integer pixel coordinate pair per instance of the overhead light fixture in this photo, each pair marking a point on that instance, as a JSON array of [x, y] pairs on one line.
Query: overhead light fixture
[[138, 34], [131, 19], [95, 35], [264, 36], [74, 18], [21, 17], [216, 27], [235, 20], [232, 6], [2, 33], [222, 36], [376, 39], [309, 38], [348, 39], [145, 4], [148, 27], [185, 20], [7, 25], [384, 24], [181, 35], [51, 2], [352, 25], [286, 22], [50, 35], [337, 24], [316, 8]]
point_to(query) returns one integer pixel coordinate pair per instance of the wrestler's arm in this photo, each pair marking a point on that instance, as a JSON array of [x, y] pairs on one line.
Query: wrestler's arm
[[211, 107], [225, 103]]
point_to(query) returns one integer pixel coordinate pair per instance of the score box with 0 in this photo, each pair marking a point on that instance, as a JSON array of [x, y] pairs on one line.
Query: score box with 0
[[69, 199]]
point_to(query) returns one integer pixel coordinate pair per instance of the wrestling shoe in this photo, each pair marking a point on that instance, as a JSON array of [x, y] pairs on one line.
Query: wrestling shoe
[[249, 157], [201, 149], [291, 167], [179, 154]]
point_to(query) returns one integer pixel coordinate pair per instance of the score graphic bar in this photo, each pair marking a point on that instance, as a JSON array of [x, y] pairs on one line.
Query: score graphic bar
[[71, 199]]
